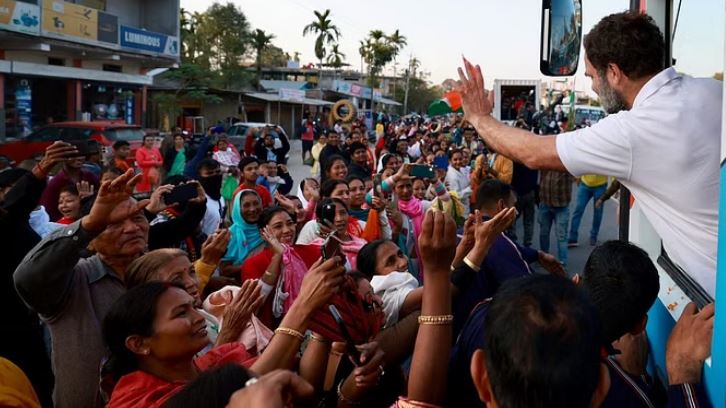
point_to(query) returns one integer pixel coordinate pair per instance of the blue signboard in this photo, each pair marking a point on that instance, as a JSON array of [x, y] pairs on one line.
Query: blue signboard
[[148, 41], [24, 107]]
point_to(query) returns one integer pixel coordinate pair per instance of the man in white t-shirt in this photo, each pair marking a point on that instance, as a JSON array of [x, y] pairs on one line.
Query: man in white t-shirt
[[662, 139]]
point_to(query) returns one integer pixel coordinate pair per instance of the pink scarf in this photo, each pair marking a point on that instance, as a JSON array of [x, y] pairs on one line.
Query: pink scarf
[[293, 272], [413, 209], [350, 248]]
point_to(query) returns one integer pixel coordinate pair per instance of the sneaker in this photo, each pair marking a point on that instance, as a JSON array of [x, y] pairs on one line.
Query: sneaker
[[572, 244], [593, 242]]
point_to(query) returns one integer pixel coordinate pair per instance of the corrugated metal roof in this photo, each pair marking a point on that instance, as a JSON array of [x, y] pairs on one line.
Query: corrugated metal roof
[[271, 97], [276, 85]]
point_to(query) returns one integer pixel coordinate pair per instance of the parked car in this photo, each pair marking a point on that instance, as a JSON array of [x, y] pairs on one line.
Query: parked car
[[104, 132]]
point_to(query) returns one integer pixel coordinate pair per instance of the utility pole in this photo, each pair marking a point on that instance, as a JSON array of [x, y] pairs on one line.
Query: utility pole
[[408, 77]]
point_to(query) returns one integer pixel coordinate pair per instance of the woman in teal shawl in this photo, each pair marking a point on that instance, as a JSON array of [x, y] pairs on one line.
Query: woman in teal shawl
[[246, 239]]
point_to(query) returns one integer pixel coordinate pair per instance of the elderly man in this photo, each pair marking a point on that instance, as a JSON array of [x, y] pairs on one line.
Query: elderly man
[[73, 295]]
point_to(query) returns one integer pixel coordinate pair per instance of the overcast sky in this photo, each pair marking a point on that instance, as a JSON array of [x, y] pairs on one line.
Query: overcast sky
[[502, 36]]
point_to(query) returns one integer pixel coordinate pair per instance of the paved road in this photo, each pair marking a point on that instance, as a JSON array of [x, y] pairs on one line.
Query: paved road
[[577, 256]]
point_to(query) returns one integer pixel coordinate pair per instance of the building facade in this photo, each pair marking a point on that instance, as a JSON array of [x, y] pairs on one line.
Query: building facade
[[81, 60]]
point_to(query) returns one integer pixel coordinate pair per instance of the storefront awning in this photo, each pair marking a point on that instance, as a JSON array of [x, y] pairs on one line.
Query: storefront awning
[[276, 98], [52, 71]]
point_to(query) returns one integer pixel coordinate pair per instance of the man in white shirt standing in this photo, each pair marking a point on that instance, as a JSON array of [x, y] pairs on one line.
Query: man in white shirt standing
[[662, 139], [457, 181], [209, 175]]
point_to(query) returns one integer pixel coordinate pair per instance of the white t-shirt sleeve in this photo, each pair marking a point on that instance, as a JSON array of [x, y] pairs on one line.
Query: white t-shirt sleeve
[[308, 233], [603, 148]]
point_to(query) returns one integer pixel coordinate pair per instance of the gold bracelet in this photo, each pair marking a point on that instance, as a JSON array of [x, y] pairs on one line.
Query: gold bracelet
[[319, 339], [290, 332], [436, 320], [342, 398], [472, 265]]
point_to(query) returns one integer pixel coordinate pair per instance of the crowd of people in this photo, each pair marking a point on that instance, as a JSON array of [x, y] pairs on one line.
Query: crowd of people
[[191, 275]]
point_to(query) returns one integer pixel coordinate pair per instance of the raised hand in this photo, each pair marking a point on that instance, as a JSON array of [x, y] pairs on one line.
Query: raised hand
[[379, 204], [56, 153], [156, 201], [404, 173], [214, 248], [284, 201], [321, 283], [437, 242], [476, 101], [551, 264], [110, 195], [239, 311], [689, 344], [201, 197], [85, 189], [273, 242]]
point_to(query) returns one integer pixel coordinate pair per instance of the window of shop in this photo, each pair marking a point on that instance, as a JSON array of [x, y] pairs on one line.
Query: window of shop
[[108, 102]]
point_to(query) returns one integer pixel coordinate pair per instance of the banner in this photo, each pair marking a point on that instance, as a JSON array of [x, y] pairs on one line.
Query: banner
[[70, 20], [292, 95], [24, 107], [20, 17], [149, 41]]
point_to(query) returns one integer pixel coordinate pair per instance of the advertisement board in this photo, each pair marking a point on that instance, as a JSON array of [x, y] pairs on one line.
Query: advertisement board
[[20, 17], [157, 43]]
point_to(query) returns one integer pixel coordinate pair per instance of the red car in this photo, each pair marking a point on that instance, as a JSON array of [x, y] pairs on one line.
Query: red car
[[105, 133]]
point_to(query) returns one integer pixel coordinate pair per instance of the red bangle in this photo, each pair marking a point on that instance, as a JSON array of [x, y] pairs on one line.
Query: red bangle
[[41, 169]]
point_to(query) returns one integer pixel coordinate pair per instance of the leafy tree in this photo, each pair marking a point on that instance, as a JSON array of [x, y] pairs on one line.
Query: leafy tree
[[275, 57], [261, 42], [193, 84], [420, 94], [336, 58], [377, 50], [327, 33], [227, 38]]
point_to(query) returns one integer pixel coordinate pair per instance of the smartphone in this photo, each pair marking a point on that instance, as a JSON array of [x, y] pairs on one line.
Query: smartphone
[[83, 147], [181, 194], [330, 248], [377, 187], [423, 171], [328, 215], [352, 351]]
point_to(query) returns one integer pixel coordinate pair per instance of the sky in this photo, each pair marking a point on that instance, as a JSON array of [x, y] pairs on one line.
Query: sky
[[503, 37]]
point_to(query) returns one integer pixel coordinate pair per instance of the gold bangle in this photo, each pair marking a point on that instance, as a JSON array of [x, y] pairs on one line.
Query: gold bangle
[[472, 265], [436, 320], [290, 332], [319, 339]]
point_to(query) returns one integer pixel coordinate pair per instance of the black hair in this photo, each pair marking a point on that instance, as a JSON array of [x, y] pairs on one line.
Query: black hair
[[269, 212], [356, 146], [146, 136], [631, 40], [330, 161], [121, 143], [387, 158], [246, 161], [542, 344], [131, 314], [368, 257], [328, 186], [491, 191], [208, 164], [355, 177], [622, 283], [212, 388], [70, 189], [325, 201]]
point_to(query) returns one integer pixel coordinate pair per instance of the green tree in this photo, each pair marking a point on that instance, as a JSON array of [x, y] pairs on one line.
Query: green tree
[[193, 83], [275, 57], [398, 41], [261, 41], [377, 51], [227, 38], [420, 94], [336, 58], [327, 33], [192, 43]]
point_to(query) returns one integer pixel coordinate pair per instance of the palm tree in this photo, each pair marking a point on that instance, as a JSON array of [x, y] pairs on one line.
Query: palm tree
[[398, 41], [336, 58], [260, 40], [327, 32]]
